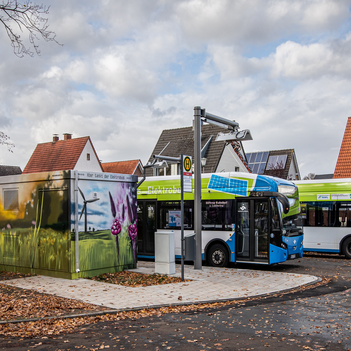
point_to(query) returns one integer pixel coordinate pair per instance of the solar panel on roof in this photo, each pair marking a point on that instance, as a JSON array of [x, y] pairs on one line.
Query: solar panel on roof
[[253, 157], [265, 156], [259, 156], [228, 185]]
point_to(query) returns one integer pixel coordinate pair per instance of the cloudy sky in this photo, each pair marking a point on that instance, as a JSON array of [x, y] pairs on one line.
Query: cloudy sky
[[129, 69]]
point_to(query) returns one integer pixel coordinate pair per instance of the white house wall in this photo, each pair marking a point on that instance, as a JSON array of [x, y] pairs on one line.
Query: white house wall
[[83, 164], [229, 161], [293, 172]]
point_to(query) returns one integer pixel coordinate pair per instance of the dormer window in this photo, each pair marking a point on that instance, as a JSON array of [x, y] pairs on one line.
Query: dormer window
[[88, 157]]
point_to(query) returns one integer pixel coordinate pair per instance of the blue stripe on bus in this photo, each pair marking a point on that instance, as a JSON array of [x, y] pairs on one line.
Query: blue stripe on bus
[[320, 250], [265, 184], [294, 241], [231, 244], [277, 254]]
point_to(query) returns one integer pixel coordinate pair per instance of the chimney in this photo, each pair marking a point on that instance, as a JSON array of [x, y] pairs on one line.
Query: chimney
[[55, 138], [67, 136]]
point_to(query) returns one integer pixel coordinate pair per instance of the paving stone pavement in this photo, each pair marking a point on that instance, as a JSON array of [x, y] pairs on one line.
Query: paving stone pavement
[[206, 285]]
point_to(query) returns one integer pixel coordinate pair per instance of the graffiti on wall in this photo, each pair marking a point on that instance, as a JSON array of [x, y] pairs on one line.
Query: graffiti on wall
[[107, 224], [34, 223], [37, 224]]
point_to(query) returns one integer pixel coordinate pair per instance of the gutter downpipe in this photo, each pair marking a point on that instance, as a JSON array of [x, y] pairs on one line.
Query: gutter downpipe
[[76, 223]]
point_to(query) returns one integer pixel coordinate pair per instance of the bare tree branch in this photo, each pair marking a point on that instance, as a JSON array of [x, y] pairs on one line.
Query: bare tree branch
[[28, 17], [4, 140]]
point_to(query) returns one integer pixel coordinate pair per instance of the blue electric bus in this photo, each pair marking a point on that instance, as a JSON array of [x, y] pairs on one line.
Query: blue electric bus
[[246, 218]]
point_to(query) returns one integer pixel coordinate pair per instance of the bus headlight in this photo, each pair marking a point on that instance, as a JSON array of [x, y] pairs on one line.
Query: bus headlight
[[287, 189], [301, 244], [292, 202], [284, 246]]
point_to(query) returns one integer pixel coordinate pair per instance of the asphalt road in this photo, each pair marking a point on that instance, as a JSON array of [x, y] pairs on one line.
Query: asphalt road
[[313, 319]]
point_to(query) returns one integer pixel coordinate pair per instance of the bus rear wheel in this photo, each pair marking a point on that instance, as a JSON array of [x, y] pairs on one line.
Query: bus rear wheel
[[346, 248], [218, 256]]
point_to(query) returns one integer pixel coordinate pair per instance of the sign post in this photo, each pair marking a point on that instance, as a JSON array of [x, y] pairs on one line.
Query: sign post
[[186, 185]]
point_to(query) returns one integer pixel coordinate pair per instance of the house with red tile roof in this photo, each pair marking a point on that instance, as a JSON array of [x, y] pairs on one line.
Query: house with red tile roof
[[61, 155], [343, 164], [134, 167]]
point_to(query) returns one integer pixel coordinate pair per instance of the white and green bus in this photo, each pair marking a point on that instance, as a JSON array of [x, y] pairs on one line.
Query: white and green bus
[[326, 215], [243, 217]]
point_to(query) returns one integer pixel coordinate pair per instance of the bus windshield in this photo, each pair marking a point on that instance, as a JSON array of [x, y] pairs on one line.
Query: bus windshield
[[292, 225]]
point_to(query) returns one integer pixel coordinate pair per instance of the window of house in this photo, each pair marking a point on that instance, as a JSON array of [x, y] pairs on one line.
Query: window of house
[[10, 199], [237, 169], [88, 157], [276, 162]]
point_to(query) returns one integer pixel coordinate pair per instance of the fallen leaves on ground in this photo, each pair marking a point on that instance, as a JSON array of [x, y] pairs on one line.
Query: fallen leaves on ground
[[11, 275], [133, 279], [57, 326], [17, 303]]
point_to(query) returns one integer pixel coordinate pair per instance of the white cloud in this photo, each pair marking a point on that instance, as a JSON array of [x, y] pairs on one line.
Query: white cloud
[[129, 69], [296, 61], [225, 21], [232, 65]]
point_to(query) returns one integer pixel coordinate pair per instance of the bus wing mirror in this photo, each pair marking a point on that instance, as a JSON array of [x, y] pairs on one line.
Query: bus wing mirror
[[284, 201]]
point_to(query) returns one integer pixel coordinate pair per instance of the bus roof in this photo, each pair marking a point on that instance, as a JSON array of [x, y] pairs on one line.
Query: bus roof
[[324, 189], [212, 184]]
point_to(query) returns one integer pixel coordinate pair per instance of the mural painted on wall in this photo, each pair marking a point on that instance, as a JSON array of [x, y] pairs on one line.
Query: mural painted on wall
[[107, 224], [34, 222], [37, 215]]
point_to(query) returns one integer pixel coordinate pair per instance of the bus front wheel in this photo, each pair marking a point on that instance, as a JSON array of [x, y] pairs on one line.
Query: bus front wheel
[[218, 256], [346, 248]]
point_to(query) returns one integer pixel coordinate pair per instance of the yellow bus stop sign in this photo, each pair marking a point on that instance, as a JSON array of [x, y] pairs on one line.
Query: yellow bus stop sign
[[187, 164]]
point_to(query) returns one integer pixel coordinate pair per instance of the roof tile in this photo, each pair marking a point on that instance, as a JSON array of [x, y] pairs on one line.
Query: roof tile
[[56, 156], [121, 167], [343, 164]]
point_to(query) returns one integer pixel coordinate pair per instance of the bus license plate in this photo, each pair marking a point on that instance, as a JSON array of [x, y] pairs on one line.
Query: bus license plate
[[293, 256]]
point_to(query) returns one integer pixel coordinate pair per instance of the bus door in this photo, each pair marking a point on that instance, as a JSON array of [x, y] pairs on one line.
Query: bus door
[[252, 228], [146, 223]]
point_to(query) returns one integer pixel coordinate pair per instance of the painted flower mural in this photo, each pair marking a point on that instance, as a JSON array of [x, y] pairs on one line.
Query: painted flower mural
[[116, 224], [124, 218], [132, 229]]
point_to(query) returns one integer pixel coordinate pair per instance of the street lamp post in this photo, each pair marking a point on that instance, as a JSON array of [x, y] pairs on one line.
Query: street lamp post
[[200, 115], [197, 186]]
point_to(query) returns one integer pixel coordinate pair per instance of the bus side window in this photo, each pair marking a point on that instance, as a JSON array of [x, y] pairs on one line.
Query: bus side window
[[217, 214], [345, 214]]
